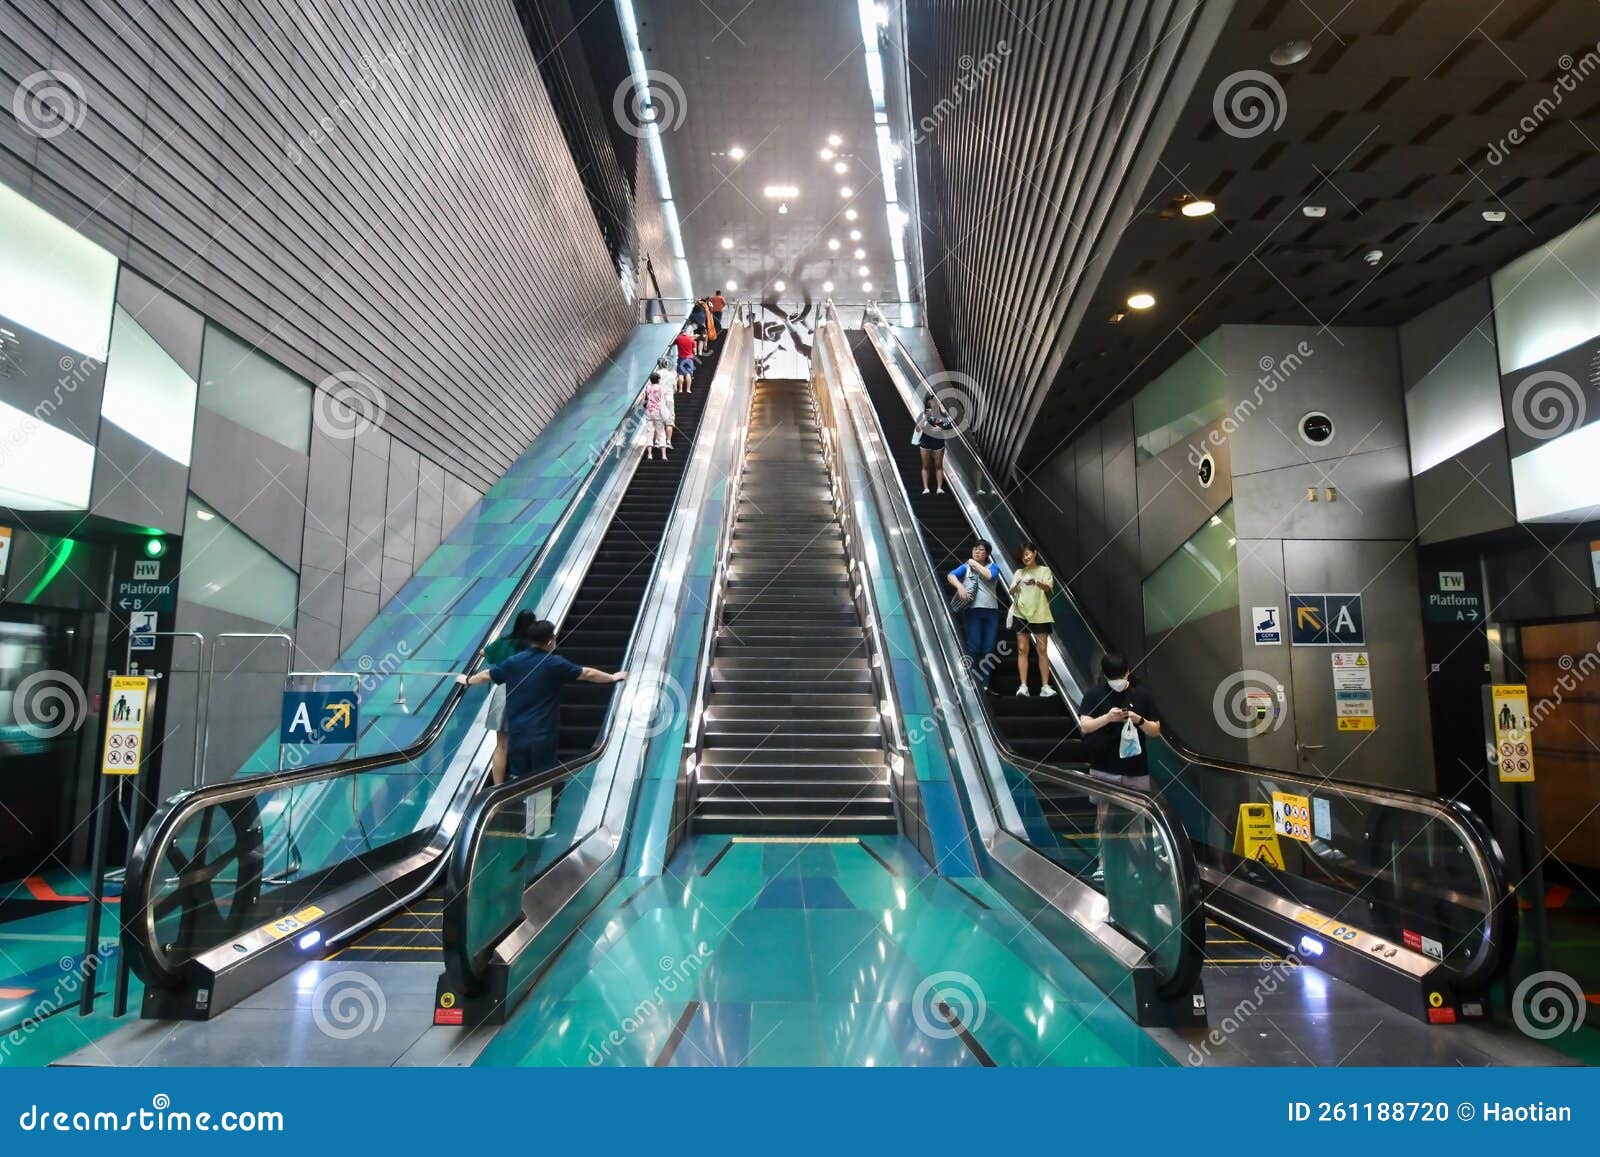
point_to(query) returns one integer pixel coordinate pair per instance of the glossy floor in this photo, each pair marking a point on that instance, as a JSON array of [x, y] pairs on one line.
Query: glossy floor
[[813, 953]]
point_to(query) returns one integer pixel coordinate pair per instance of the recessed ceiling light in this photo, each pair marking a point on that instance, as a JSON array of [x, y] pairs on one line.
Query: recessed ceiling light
[[731, 286], [203, 515], [1141, 300], [846, 191], [782, 209], [849, 214], [860, 253], [825, 154], [827, 287], [737, 153], [727, 242], [1199, 207], [863, 271], [1494, 216], [833, 243], [866, 287], [840, 167], [855, 235], [1372, 256], [780, 192], [1314, 211], [779, 286], [1290, 52], [835, 140]]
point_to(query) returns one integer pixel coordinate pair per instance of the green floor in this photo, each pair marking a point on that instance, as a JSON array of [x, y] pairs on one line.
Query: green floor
[[796, 953]]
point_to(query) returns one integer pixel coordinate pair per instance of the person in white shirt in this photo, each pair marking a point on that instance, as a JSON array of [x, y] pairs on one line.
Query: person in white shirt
[[979, 604]]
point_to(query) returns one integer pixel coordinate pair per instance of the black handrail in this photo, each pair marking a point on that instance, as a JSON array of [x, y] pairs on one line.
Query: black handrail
[[143, 869], [1492, 956]]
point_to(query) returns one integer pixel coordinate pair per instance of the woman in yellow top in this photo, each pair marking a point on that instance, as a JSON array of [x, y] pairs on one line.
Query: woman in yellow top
[[1031, 587]]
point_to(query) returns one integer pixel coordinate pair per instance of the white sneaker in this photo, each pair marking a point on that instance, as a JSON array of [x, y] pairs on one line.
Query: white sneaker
[[940, 490], [1047, 692], [925, 490], [1022, 691]]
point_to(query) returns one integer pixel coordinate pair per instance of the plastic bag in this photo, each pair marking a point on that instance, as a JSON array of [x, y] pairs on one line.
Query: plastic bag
[[1131, 744]]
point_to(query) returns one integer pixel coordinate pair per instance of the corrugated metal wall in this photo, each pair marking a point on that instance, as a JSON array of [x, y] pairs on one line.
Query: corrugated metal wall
[[368, 185], [1032, 124]]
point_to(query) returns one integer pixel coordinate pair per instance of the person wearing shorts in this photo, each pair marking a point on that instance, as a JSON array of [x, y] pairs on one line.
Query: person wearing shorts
[[655, 418], [685, 346], [498, 652], [1031, 587], [933, 427]]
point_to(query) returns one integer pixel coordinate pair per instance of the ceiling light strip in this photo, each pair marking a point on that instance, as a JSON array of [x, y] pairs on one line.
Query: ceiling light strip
[[873, 15], [652, 140]]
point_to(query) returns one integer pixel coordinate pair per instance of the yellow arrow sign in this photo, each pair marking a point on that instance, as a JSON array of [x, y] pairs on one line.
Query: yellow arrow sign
[[339, 716], [1307, 617]]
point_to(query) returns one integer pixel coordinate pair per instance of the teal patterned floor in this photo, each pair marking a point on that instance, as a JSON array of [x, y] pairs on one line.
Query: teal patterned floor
[[813, 953]]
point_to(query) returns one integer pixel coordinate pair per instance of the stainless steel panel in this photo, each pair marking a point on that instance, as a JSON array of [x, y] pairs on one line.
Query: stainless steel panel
[[1372, 498]]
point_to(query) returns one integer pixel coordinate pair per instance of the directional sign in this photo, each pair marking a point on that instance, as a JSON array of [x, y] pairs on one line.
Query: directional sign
[[319, 717], [142, 627], [1456, 601], [147, 570], [139, 595], [1326, 621]]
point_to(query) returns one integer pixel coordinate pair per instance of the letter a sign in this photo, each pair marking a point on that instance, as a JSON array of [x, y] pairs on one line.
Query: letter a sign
[[1327, 621]]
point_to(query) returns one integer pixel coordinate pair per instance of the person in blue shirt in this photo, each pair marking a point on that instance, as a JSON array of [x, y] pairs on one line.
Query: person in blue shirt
[[533, 678], [974, 581]]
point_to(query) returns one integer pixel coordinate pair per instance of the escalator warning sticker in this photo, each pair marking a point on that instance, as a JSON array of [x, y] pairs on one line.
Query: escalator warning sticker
[[289, 925], [447, 1012]]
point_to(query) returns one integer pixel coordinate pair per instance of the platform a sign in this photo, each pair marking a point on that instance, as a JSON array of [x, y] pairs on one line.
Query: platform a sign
[[319, 717], [1327, 620], [125, 725]]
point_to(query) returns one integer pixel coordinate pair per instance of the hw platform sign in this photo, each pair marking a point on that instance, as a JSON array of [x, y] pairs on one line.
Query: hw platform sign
[[319, 717], [1326, 621]]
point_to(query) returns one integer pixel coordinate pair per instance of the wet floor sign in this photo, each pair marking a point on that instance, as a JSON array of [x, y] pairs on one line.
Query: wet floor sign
[[1256, 836]]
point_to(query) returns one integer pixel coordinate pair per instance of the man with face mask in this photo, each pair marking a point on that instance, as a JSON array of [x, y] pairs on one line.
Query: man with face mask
[[1113, 702]]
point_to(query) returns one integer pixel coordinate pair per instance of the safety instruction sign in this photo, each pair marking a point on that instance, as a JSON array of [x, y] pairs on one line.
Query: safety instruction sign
[[319, 717], [1291, 816], [289, 925], [1352, 691], [1255, 837], [125, 725], [1513, 736], [5, 549], [1326, 621]]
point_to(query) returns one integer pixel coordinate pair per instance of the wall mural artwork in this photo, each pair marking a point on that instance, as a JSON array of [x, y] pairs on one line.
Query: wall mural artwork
[[784, 336]]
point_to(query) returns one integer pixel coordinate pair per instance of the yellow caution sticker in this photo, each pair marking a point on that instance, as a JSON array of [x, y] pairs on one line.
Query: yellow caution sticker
[[289, 925], [1255, 837]]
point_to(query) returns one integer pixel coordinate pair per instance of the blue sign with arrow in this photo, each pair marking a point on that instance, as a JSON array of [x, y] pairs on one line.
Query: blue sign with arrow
[[313, 717], [1323, 620]]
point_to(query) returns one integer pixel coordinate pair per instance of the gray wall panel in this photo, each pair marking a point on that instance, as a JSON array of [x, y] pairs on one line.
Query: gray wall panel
[[135, 484], [254, 482]]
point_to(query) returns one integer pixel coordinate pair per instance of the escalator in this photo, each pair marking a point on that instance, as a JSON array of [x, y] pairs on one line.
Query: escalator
[[209, 925], [793, 738], [1385, 871]]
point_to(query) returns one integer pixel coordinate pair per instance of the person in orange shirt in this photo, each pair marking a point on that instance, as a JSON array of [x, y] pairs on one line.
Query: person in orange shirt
[[718, 304]]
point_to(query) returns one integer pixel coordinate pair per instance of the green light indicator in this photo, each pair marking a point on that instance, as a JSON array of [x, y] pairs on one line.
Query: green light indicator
[[155, 547]]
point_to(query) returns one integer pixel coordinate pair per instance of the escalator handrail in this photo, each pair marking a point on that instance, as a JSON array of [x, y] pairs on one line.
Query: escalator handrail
[[1499, 914], [138, 918], [460, 961], [1160, 813]]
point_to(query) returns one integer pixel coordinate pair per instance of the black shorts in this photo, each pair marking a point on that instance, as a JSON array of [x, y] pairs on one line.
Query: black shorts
[[1022, 626], [930, 445]]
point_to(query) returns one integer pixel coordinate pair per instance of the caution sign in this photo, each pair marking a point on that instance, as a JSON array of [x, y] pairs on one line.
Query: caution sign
[[1352, 691], [289, 925], [1291, 816], [1513, 735], [5, 549], [125, 725], [1255, 837]]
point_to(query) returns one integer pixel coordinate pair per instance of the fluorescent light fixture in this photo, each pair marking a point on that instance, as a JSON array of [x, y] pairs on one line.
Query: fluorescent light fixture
[[881, 13], [309, 941], [1558, 482], [1494, 216], [727, 242], [1199, 208], [53, 279], [737, 152], [44, 468], [1543, 301], [833, 243], [780, 192], [1311, 946], [1314, 211], [652, 139], [1141, 300], [147, 394]]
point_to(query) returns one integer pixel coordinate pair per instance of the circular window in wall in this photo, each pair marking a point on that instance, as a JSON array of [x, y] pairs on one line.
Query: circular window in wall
[[1316, 428], [1206, 470]]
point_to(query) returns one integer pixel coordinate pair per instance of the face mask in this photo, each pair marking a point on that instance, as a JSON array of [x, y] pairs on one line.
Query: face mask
[[1118, 684]]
